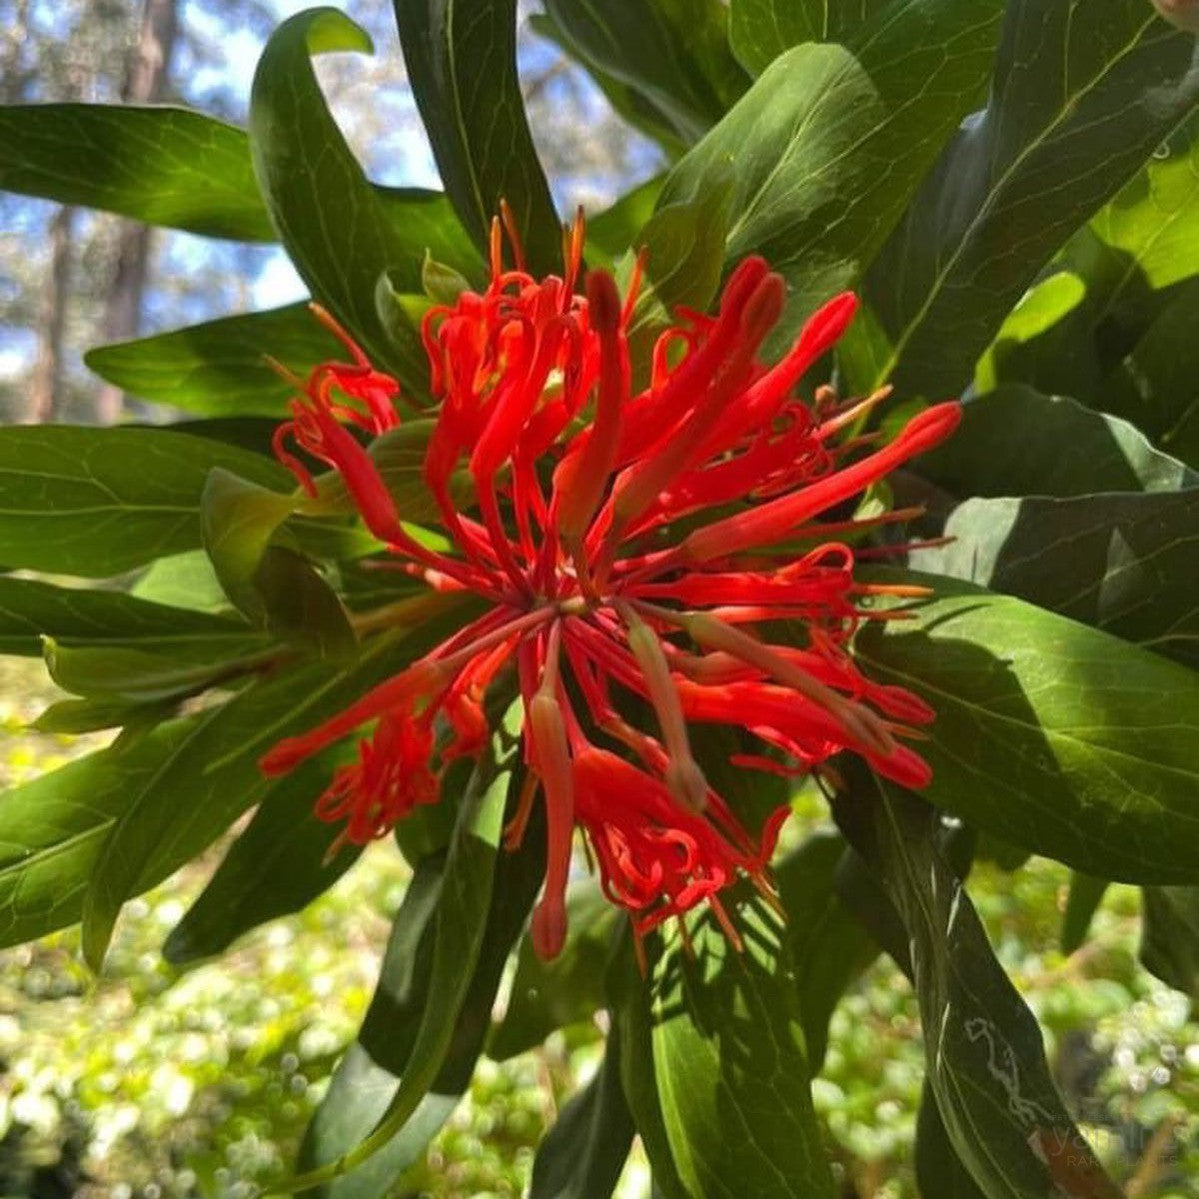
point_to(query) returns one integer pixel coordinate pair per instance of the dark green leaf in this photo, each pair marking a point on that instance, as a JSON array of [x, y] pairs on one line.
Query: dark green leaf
[[583, 1154], [278, 865], [633, 1021], [828, 145], [1010, 443], [210, 776], [939, 1171], [632, 106], [729, 1061], [340, 232], [1170, 936], [1122, 563], [985, 1058], [1086, 894], [568, 990], [674, 53], [161, 165], [465, 965], [1054, 736], [1082, 94], [761, 30], [461, 60], [96, 502], [30, 610], [827, 944], [75, 716], [219, 368], [140, 676], [366, 1078]]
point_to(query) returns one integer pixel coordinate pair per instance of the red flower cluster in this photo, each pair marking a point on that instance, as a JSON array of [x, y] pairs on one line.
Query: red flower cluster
[[586, 539]]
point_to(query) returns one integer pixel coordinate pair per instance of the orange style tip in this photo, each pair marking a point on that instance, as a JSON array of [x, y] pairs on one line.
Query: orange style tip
[[603, 302], [548, 929]]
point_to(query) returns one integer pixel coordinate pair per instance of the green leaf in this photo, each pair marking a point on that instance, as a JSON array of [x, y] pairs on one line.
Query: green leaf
[[283, 860], [51, 830], [827, 944], [386, 1040], [761, 30], [673, 53], [568, 990], [1010, 443], [583, 1154], [461, 61], [1052, 735], [632, 1020], [219, 368], [1119, 562], [729, 1062], [939, 1170], [210, 776], [632, 106], [465, 964], [619, 228], [75, 716], [97, 502], [1082, 94], [272, 584], [1086, 894], [829, 144], [134, 675], [340, 231], [162, 165], [1170, 936], [684, 246], [985, 1058], [366, 1078], [30, 609], [185, 581]]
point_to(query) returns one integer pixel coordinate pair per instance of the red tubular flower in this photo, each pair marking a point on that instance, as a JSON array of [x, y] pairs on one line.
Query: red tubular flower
[[580, 483]]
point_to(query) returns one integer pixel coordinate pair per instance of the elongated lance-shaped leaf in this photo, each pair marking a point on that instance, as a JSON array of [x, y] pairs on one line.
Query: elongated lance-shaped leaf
[[373, 1071], [760, 30], [727, 1062], [674, 53], [220, 368], [467, 898], [1053, 736], [283, 859], [829, 145], [339, 230], [1083, 93], [97, 502], [162, 165], [1170, 936], [985, 1058], [1119, 562], [461, 59], [1010, 443], [583, 1154], [182, 798], [75, 616]]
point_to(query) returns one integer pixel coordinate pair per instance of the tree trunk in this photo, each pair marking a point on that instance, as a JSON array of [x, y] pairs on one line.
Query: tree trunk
[[46, 379], [145, 82]]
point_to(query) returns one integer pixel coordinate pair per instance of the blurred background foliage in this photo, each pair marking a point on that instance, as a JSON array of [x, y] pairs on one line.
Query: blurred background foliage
[[156, 1083], [162, 1084]]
